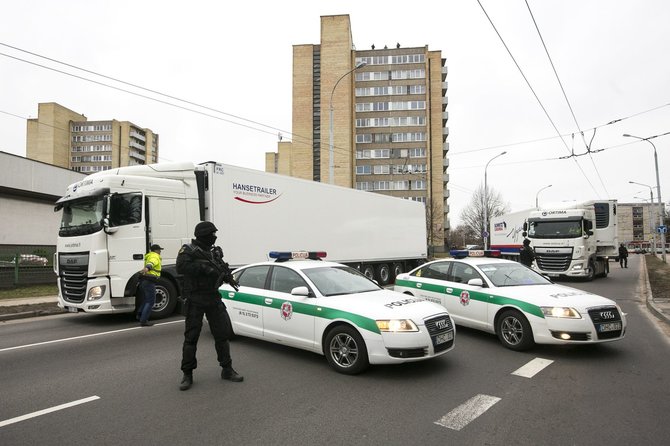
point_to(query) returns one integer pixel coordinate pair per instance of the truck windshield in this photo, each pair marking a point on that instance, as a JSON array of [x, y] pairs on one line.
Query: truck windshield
[[82, 216], [555, 229]]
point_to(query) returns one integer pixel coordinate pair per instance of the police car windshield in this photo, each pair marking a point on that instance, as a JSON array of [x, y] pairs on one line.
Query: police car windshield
[[334, 281], [512, 274]]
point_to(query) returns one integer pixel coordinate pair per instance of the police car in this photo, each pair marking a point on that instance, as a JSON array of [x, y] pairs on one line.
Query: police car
[[334, 310], [514, 302]]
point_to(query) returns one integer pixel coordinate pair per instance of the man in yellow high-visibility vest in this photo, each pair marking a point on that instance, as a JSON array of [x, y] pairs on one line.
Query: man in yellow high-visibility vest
[[150, 275]]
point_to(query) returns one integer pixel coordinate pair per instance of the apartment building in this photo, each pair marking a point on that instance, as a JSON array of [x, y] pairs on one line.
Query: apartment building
[[64, 138], [372, 119]]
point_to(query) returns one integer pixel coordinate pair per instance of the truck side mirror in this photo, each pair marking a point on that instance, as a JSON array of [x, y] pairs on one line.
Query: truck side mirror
[[107, 228]]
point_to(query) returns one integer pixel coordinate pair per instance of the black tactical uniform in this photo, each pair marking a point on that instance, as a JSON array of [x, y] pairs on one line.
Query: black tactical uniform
[[203, 269], [526, 255]]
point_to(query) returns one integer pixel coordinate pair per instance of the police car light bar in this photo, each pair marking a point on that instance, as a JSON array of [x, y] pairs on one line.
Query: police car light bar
[[282, 256], [463, 253]]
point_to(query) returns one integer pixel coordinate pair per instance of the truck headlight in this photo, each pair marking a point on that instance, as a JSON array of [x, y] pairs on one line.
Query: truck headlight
[[396, 325], [563, 312], [96, 292]]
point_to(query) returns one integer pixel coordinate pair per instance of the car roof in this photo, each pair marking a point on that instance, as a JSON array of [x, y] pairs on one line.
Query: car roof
[[297, 264], [475, 260]]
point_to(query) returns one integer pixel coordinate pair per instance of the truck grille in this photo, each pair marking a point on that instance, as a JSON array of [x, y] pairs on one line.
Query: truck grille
[[73, 277], [607, 322], [437, 327], [553, 262]]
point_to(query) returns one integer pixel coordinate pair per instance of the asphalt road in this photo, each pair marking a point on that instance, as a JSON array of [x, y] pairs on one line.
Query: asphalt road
[[85, 379]]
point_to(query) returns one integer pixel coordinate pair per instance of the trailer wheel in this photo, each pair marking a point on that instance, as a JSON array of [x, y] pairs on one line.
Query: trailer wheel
[[166, 299], [383, 274], [397, 270], [368, 271]]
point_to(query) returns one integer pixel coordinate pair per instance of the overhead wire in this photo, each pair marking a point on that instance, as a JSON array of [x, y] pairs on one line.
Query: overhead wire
[[533, 91], [274, 132], [565, 96]]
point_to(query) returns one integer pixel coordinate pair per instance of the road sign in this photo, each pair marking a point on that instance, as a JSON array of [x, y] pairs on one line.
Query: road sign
[[662, 229], [485, 234]]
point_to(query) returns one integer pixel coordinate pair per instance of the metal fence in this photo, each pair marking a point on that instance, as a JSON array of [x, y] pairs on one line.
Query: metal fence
[[26, 265]]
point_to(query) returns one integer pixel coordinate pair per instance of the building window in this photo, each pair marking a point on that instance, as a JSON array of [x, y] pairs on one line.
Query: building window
[[364, 169], [381, 169], [382, 185], [363, 185], [363, 138], [419, 185], [417, 153]]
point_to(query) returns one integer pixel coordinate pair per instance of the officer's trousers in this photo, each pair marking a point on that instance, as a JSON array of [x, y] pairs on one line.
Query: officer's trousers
[[218, 325]]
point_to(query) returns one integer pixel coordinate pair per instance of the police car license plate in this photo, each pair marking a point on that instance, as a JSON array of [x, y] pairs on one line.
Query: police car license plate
[[612, 326], [444, 337]]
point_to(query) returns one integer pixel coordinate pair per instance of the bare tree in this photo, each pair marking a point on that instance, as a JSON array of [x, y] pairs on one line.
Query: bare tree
[[473, 214], [461, 236]]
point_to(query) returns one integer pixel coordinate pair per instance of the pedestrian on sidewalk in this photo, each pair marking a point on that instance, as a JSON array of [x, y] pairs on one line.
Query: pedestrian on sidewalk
[[148, 279], [623, 256]]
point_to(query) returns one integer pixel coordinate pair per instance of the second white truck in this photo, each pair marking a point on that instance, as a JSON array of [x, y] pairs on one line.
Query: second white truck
[[569, 239], [111, 218]]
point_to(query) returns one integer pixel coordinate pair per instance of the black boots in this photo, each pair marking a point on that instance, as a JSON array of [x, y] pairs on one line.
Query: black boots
[[231, 375], [186, 382]]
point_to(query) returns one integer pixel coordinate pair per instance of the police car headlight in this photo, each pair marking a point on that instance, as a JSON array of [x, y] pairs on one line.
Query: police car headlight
[[396, 325], [563, 312]]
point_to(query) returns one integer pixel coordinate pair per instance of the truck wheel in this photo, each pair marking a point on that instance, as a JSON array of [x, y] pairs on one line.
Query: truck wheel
[[368, 271], [345, 350], [166, 299], [592, 272], [397, 270], [383, 274], [514, 331]]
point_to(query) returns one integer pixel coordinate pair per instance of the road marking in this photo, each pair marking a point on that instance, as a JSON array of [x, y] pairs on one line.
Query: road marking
[[461, 416], [49, 410], [85, 336], [532, 368]]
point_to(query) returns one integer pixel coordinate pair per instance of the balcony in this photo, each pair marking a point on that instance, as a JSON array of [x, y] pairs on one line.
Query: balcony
[[136, 155], [136, 145]]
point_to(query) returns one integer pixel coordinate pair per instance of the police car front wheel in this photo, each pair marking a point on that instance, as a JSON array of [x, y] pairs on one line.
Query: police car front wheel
[[345, 350], [514, 331]]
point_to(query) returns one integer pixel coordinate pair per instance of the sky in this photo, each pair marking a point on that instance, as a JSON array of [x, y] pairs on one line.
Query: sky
[[559, 114]]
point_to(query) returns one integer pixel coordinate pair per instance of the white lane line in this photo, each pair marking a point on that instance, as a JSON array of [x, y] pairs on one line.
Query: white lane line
[[461, 416], [49, 410], [86, 336], [532, 368]]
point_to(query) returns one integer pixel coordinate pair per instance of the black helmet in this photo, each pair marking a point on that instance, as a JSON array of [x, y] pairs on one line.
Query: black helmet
[[204, 228]]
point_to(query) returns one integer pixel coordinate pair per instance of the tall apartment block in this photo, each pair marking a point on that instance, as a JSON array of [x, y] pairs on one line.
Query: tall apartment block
[[64, 138], [387, 106]]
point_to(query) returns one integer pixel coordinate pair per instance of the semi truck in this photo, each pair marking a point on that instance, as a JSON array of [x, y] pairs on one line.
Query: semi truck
[[574, 239], [111, 218]]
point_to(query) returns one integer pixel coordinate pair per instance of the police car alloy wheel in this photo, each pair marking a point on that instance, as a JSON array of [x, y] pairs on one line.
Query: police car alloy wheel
[[345, 350], [514, 331]]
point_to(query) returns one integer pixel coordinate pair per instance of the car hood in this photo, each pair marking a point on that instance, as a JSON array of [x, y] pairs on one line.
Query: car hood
[[551, 296], [384, 304]]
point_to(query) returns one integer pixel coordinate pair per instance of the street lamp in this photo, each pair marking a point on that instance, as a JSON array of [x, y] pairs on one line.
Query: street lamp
[[661, 213], [651, 207], [331, 159], [486, 205], [538, 193]]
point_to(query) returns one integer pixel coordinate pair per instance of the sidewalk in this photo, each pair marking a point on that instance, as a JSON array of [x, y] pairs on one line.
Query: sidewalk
[[658, 307], [26, 307]]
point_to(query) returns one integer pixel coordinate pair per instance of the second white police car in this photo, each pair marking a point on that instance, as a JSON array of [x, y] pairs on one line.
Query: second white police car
[[511, 300], [334, 310]]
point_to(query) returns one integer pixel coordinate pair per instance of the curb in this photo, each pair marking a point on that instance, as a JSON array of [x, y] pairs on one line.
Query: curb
[[649, 298], [27, 314]]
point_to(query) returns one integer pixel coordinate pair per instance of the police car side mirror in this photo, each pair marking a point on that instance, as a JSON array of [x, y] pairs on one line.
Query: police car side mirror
[[300, 291], [476, 282]]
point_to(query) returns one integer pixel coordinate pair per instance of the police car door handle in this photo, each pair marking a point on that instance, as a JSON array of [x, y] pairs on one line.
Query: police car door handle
[[268, 301]]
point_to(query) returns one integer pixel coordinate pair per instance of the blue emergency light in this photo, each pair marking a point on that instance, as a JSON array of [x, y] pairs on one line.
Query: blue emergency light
[[282, 256]]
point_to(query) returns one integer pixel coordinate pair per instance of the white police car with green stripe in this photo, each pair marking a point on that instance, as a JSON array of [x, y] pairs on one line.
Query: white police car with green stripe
[[513, 301], [334, 310]]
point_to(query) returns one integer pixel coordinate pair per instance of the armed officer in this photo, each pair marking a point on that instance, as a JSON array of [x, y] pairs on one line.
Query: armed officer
[[203, 269]]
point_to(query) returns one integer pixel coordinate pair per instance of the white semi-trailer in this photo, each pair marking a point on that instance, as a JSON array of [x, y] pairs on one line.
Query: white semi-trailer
[[569, 239], [111, 218]]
